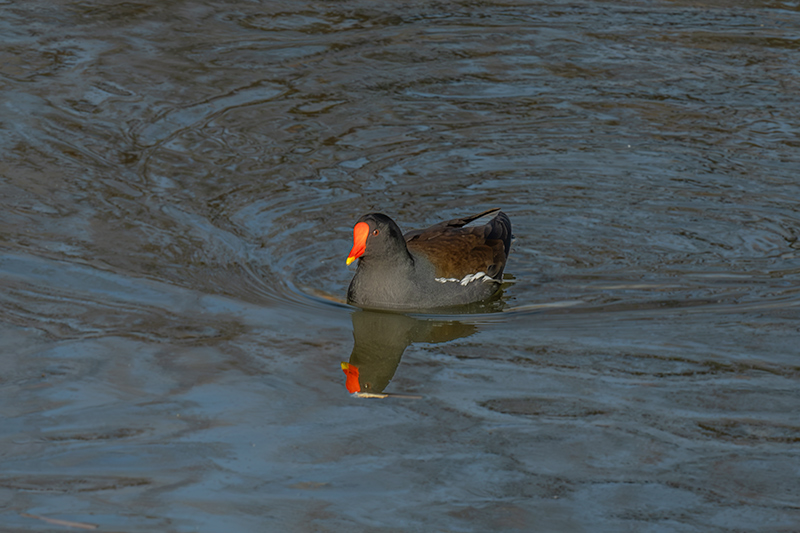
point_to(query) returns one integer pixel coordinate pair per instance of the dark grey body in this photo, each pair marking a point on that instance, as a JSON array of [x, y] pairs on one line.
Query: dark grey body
[[412, 284]]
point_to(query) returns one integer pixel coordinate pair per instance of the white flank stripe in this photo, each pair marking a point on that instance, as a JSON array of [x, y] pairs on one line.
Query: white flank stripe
[[469, 278]]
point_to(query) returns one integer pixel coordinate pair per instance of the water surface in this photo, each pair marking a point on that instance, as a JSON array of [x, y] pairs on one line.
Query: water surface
[[179, 182]]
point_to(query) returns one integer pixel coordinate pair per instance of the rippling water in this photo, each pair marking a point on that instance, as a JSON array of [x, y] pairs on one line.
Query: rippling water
[[179, 183]]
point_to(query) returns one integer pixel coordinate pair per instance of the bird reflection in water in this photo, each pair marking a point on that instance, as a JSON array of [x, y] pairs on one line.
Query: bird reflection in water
[[380, 340]]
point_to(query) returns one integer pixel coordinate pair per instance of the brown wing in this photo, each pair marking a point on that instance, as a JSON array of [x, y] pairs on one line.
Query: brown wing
[[456, 251]]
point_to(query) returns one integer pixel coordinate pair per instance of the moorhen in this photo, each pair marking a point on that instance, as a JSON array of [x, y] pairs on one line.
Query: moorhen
[[442, 266]]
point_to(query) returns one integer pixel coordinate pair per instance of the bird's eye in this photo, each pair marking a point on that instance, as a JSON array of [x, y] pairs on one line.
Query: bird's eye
[[375, 232]]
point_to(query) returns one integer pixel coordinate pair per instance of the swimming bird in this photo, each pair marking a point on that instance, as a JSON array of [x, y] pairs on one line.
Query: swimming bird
[[445, 265]]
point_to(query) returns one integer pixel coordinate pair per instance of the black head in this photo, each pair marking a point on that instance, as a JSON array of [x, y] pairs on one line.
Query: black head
[[376, 236]]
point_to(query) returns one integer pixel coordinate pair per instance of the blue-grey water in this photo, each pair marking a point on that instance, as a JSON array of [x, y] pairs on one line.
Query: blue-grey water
[[179, 182]]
